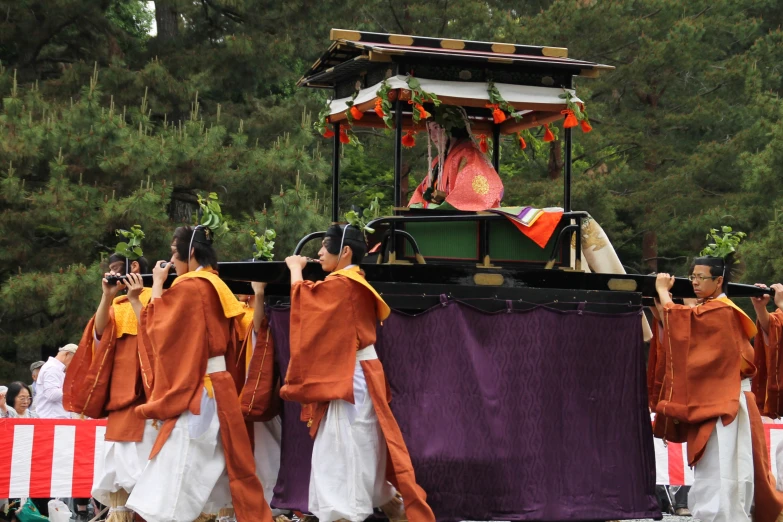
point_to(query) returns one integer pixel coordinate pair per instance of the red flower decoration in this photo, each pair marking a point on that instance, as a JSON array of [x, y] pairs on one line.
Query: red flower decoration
[[328, 133], [409, 140], [423, 114], [522, 144], [344, 139], [379, 108], [548, 136], [570, 119], [586, 127], [483, 143], [356, 113]]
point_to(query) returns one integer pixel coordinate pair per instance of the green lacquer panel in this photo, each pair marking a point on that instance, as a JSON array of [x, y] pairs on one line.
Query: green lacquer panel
[[457, 240], [507, 243]]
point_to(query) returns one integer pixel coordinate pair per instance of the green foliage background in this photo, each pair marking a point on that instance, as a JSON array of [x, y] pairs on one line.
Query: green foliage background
[[103, 126]]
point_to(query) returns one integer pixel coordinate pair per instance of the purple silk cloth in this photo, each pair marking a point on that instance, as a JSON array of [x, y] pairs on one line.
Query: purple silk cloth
[[535, 415], [296, 447]]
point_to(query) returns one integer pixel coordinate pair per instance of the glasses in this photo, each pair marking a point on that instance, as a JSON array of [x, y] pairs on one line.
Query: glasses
[[700, 278]]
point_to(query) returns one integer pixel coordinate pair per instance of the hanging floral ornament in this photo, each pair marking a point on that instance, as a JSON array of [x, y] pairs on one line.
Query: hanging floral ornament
[[570, 119], [585, 124], [575, 112], [356, 113], [548, 136], [522, 142], [409, 140], [379, 108], [498, 116], [419, 108], [483, 146], [344, 138], [499, 106], [328, 133]]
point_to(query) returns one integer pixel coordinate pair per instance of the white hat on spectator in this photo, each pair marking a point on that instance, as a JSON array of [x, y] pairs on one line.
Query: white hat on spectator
[[70, 348]]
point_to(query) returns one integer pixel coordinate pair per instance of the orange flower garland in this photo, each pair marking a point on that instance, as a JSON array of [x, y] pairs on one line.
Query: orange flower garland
[[356, 113]]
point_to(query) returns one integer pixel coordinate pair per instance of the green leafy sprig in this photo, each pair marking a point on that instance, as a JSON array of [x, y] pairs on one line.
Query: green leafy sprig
[[572, 105], [211, 216], [725, 242], [386, 104], [320, 123], [130, 248], [265, 244], [360, 221]]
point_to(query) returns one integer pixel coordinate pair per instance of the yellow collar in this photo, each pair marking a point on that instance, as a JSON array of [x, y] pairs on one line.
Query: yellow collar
[[124, 316], [231, 306], [747, 323], [382, 309]]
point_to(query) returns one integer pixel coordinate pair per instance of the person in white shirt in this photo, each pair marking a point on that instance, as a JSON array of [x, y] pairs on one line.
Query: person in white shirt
[[49, 385], [35, 369]]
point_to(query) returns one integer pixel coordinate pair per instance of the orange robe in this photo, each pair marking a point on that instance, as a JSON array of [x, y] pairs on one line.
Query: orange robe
[[471, 183], [260, 399], [330, 321], [655, 366], [707, 353], [194, 321], [768, 384], [105, 378]]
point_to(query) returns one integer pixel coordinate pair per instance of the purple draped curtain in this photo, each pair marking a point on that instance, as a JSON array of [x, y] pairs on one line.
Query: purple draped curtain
[[533, 415]]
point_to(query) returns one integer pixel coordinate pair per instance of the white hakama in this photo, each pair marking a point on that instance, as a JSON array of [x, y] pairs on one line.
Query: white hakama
[[266, 450], [348, 476], [122, 464], [177, 483], [722, 488]]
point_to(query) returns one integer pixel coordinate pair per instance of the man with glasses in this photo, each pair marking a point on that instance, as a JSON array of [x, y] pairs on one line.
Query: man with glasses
[[707, 402]]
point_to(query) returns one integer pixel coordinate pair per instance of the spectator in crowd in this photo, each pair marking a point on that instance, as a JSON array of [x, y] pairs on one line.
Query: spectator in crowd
[[49, 385], [16, 402], [49, 389], [35, 369]]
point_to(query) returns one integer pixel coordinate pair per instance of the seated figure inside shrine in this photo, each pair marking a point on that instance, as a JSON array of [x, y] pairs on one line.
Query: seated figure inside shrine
[[461, 176]]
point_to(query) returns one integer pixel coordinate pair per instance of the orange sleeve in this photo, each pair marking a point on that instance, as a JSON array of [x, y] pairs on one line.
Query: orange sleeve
[[323, 341], [175, 327], [259, 394], [87, 381], [706, 352], [768, 384]]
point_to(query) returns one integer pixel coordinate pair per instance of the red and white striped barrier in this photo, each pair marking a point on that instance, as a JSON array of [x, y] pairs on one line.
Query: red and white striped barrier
[[48, 458], [671, 460]]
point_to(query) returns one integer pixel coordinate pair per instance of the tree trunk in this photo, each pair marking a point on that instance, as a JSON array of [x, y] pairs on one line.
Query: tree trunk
[[650, 250], [183, 205], [166, 18], [556, 161]]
